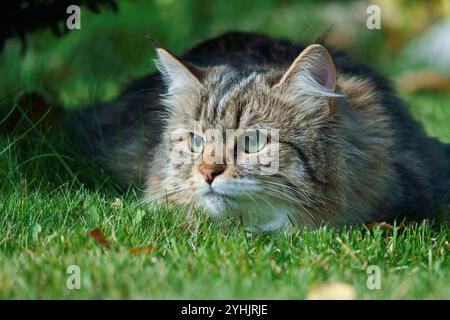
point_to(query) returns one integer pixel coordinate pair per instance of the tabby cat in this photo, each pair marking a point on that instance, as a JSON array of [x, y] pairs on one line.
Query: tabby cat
[[347, 151]]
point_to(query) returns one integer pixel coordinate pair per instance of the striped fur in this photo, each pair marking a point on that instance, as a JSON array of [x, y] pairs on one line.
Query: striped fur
[[348, 150]]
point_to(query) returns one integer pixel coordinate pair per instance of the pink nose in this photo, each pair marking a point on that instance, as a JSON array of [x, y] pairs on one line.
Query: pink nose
[[211, 171]]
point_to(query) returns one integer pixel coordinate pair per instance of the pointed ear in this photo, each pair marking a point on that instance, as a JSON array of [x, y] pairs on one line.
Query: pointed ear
[[177, 75], [312, 72]]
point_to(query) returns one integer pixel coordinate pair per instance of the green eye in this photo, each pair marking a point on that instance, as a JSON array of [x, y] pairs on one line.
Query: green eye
[[254, 141], [197, 143]]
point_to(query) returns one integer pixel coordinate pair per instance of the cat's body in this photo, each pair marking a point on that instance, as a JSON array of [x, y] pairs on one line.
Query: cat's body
[[349, 152]]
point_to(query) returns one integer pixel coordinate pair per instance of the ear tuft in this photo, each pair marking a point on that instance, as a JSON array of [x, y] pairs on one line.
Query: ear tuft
[[177, 75], [312, 72]]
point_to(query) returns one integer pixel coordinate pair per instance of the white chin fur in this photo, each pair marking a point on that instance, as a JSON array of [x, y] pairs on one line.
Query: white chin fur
[[243, 197], [216, 205]]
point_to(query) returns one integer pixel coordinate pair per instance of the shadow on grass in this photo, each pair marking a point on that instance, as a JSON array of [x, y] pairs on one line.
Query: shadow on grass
[[38, 151]]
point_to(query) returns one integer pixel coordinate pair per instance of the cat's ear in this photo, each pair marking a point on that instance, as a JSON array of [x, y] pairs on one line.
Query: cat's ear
[[312, 72], [177, 75]]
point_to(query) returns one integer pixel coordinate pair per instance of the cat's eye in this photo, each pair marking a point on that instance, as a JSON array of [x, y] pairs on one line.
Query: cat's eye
[[254, 141], [197, 143]]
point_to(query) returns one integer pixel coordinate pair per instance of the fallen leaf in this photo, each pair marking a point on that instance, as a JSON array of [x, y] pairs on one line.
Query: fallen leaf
[[100, 238], [406, 224], [142, 250], [331, 291], [382, 225]]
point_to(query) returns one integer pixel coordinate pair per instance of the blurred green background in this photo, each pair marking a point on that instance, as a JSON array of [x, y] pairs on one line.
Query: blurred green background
[[94, 63], [52, 196]]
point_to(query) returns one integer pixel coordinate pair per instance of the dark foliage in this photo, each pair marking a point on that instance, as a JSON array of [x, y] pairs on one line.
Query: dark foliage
[[22, 16]]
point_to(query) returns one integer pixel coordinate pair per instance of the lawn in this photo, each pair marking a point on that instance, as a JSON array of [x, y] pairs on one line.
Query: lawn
[[52, 197]]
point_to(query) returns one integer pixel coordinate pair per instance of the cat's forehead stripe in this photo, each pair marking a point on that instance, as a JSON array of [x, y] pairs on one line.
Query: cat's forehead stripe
[[223, 104], [227, 88]]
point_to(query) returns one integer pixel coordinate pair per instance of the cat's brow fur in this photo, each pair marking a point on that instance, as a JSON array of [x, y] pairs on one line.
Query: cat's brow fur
[[348, 156]]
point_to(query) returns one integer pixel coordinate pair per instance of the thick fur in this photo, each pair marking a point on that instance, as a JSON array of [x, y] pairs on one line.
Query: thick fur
[[354, 155]]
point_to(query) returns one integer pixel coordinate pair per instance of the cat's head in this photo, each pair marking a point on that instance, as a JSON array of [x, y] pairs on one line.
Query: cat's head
[[275, 122]]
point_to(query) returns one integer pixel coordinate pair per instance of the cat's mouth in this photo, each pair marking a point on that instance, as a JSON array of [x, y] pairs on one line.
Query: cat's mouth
[[214, 193], [215, 202], [222, 197], [246, 199]]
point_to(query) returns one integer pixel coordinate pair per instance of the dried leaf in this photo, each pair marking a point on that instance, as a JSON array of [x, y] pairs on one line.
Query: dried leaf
[[382, 225], [331, 291], [100, 238], [407, 224], [142, 250]]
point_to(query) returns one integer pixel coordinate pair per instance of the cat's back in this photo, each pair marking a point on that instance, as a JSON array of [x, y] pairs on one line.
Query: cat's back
[[247, 50], [241, 49]]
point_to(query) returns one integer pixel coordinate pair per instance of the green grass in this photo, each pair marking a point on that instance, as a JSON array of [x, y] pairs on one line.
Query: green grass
[[43, 233], [47, 212], [52, 196]]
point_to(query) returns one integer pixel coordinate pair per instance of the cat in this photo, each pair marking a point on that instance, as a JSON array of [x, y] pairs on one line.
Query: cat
[[348, 150]]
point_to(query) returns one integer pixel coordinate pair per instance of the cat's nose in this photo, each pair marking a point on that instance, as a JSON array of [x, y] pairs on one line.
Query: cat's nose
[[211, 171]]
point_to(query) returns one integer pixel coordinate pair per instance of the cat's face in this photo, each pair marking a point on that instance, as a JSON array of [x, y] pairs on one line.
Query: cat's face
[[248, 142]]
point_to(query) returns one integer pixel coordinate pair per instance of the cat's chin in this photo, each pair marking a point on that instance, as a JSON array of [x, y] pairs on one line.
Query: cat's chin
[[217, 205], [223, 197], [257, 217]]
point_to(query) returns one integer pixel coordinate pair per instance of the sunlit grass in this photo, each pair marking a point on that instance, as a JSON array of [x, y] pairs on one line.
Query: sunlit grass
[[52, 196]]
